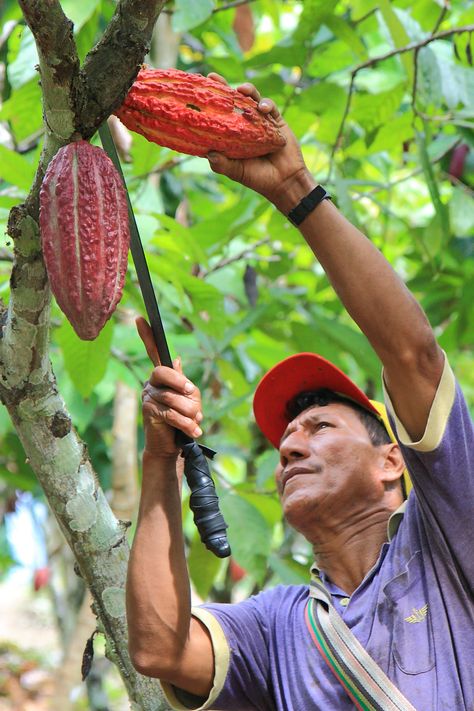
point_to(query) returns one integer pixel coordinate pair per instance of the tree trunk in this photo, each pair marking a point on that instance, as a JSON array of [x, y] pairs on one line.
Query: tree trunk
[[75, 101]]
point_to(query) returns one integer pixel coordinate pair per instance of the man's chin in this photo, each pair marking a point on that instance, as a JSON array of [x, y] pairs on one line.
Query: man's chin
[[298, 511]]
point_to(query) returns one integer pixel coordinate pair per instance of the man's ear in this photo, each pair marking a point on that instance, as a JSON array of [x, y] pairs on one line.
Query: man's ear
[[393, 464]]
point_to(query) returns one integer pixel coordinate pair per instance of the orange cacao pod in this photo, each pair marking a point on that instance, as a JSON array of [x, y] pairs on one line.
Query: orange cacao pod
[[85, 235], [193, 114]]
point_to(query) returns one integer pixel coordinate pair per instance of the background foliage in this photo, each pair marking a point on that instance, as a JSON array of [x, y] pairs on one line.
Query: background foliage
[[392, 139]]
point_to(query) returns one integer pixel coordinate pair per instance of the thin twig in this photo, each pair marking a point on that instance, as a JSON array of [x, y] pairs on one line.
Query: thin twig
[[415, 84], [123, 358], [167, 165], [235, 258], [459, 183], [380, 58], [413, 174], [389, 213], [231, 5], [365, 17], [227, 6], [415, 62], [441, 17]]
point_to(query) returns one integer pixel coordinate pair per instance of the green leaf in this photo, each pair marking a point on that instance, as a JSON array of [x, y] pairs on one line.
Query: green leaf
[[23, 110], [249, 534], [461, 211], [268, 505], [374, 110], [23, 67], [9, 202], [344, 200], [344, 32], [224, 224], [176, 238], [188, 14], [85, 361], [429, 82], [203, 567], [392, 135], [19, 474], [87, 35], [289, 571], [288, 53], [399, 35], [15, 169], [346, 339], [266, 465], [440, 208], [313, 16], [265, 350], [79, 12]]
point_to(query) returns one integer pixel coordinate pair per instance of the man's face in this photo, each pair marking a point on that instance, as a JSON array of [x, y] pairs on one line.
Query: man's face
[[327, 468]]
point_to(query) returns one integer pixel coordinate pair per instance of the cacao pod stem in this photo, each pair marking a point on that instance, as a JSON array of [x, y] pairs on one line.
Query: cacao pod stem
[[203, 501]]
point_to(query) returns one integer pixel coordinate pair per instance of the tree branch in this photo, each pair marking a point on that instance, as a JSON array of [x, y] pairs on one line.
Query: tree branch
[[375, 60], [111, 66], [59, 63]]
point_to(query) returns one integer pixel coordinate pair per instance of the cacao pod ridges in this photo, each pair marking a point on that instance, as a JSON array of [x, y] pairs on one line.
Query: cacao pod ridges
[[193, 114], [85, 235]]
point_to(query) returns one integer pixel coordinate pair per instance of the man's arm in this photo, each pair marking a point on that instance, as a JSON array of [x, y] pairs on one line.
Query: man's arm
[[372, 293], [164, 640]]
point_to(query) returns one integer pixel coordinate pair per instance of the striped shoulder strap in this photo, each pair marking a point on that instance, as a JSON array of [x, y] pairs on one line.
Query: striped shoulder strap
[[366, 684]]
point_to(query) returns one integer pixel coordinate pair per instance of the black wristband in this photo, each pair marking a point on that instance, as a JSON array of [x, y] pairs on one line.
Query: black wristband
[[307, 205]]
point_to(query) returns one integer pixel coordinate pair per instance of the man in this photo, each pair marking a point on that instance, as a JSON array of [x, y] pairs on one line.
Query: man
[[408, 601]]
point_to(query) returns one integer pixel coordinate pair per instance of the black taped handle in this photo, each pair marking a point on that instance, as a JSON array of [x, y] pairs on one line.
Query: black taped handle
[[203, 502]]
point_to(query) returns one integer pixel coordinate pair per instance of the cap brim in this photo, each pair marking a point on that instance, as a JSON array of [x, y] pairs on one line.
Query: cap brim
[[296, 374]]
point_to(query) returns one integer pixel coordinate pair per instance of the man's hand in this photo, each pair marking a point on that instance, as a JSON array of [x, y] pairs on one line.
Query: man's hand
[[273, 175], [169, 401]]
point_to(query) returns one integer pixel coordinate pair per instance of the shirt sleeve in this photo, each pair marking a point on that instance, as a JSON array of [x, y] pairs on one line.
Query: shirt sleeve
[[441, 468], [241, 661]]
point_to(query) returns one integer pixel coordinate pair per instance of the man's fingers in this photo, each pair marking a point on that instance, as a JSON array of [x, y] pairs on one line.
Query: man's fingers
[[146, 334], [168, 398], [217, 77], [225, 166], [249, 89], [268, 106], [168, 416], [164, 377]]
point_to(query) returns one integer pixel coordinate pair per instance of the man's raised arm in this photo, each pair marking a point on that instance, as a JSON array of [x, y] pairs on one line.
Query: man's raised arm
[[164, 640], [372, 293]]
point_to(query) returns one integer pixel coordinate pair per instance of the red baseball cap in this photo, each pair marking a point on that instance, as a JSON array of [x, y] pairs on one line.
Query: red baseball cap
[[300, 372]]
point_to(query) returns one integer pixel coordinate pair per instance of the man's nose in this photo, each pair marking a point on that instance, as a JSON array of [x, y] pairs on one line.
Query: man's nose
[[295, 446]]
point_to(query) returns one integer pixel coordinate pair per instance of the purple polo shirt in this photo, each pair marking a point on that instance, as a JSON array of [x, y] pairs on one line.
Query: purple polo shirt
[[413, 612]]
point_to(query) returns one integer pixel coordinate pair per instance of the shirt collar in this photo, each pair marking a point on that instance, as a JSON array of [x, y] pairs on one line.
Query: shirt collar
[[395, 520], [392, 527]]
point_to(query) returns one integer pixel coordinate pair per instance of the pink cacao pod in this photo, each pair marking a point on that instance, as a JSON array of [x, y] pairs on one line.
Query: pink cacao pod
[[85, 235], [193, 114]]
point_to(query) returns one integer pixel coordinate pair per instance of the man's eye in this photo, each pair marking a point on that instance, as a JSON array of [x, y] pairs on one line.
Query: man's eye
[[320, 425]]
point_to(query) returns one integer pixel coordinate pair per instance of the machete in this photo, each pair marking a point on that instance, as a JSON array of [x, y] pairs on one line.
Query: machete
[[203, 502]]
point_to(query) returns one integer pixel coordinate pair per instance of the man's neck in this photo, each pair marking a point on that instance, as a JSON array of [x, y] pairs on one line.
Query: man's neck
[[346, 556]]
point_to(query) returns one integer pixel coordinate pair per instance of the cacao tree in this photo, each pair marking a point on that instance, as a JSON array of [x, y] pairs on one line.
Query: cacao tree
[[381, 96], [76, 99]]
